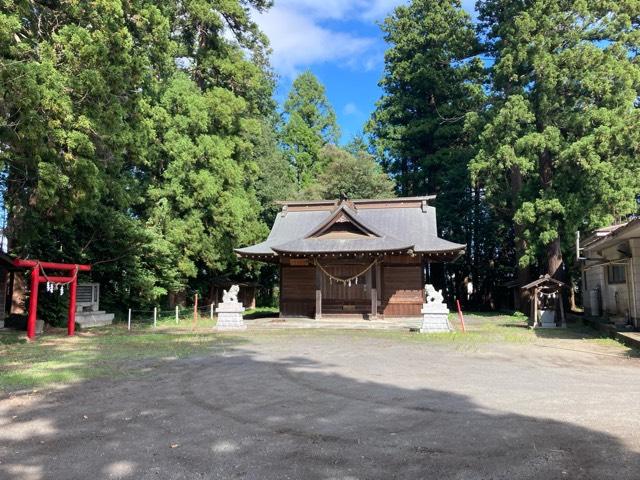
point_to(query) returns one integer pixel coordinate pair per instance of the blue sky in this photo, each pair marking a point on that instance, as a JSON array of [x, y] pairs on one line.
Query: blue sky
[[339, 41]]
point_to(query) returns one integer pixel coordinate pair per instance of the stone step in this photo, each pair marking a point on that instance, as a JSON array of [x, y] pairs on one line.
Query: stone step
[[97, 312], [333, 324], [94, 319]]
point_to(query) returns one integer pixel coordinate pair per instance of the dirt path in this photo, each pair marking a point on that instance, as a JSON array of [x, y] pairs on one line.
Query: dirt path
[[308, 406]]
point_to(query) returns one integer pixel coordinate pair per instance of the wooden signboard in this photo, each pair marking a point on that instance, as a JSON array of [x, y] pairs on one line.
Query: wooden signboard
[[299, 262]]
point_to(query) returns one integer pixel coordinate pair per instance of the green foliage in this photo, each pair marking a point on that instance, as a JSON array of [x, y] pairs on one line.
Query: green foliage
[[354, 175], [559, 151], [132, 134], [310, 124], [433, 80], [276, 177]]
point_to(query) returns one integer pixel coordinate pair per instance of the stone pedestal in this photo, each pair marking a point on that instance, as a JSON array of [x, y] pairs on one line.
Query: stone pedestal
[[435, 318], [230, 316], [548, 319]]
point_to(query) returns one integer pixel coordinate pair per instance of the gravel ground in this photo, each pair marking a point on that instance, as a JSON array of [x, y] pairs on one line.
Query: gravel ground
[[340, 405]]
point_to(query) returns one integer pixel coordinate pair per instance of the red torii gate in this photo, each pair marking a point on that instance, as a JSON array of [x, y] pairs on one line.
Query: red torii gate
[[39, 276]]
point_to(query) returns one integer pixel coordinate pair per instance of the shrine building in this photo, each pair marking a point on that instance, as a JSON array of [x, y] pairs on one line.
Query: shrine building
[[363, 258]]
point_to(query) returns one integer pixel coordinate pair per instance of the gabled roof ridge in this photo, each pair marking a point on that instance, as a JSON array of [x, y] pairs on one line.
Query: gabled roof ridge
[[357, 200], [343, 208]]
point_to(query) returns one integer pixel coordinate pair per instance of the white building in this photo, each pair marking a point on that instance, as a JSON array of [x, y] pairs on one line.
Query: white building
[[611, 273]]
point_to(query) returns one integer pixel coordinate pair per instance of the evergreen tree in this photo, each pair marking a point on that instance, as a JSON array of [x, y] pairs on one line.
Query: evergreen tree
[[353, 175], [276, 178], [130, 136], [433, 79], [560, 150], [310, 123]]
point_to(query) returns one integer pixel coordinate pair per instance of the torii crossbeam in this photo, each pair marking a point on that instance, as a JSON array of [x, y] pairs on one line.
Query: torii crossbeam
[[38, 276]]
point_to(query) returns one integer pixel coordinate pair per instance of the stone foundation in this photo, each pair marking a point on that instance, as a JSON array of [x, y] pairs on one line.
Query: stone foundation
[[230, 317], [435, 318], [94, 319]]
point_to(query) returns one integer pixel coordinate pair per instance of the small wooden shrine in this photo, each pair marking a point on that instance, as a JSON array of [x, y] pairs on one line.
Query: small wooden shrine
[[547, 306]]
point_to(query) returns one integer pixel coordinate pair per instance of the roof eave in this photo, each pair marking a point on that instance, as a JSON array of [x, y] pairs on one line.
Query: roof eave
[[344, 252], [608, 239], [300, 203]]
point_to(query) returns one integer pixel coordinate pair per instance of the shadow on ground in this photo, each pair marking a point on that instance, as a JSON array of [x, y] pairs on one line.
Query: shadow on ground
[[234, 414]]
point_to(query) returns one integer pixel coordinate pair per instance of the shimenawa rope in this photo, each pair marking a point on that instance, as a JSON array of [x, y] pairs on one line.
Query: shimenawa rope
[[346, 281]]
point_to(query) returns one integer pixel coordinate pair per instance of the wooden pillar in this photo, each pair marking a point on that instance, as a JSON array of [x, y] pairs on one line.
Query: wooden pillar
[[374, 294], [534, 307], [71, 320], [8, 306], [562, 317], [280, 293], [318, 293], [379, 289], [33, 302]]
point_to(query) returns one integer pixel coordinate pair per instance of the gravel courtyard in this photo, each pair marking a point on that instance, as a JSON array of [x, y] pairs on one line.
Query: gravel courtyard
[[339, 405]]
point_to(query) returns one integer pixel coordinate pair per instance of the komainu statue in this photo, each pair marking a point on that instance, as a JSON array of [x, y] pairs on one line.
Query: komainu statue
[[432, 295], [231, 296]]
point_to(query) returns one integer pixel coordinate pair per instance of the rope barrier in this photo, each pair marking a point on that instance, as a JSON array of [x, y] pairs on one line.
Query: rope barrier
[[347, 281], [173, 312], [182, 309]]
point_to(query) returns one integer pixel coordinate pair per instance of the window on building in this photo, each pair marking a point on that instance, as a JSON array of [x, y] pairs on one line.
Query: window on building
[[617, 274]]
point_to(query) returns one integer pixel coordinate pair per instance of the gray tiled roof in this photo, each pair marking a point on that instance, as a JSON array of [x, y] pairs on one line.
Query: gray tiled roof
[[398, 229], [317, 245]]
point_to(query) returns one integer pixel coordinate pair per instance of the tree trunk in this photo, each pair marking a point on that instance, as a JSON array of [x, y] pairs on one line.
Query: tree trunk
[[555, 267], [523, 273], [404, 176], [475, 242]]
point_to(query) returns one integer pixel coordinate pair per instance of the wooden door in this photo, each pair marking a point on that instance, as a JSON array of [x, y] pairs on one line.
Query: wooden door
[[341, 299]]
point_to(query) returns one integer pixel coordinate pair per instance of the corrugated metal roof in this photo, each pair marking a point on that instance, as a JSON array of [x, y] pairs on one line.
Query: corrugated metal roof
[[397, 229], [606, 236]]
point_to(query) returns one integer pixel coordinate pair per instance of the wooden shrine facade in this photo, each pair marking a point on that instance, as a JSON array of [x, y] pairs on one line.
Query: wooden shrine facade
[[364, 258]]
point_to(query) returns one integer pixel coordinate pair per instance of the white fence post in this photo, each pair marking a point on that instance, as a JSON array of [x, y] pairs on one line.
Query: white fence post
[[211, 315], [129, 321], [177, 314], [155, 316]]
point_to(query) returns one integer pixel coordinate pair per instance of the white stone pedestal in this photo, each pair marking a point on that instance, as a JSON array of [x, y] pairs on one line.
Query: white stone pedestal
[[435, 318], [230, 316]]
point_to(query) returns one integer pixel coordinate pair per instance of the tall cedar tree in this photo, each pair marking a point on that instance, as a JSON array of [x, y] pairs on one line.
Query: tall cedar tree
[[560, 152], [432, 80], [310, 124], [130, 137]]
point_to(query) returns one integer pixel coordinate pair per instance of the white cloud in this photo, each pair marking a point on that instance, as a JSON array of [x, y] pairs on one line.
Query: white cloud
[[378, 9], [299, 41], [341, 9], [351, 109], [304, 33]]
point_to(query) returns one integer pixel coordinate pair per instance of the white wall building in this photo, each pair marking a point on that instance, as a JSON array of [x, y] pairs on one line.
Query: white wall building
[[611, 273]]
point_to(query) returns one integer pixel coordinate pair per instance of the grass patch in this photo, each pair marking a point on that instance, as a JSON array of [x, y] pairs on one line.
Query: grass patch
[[111, 351], [480, 330]]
